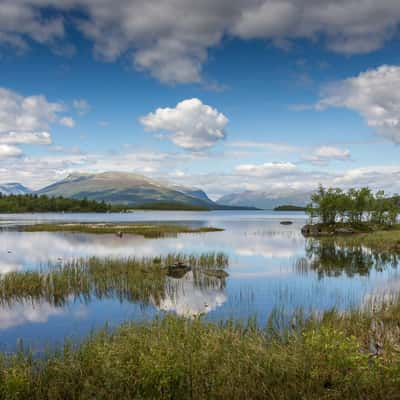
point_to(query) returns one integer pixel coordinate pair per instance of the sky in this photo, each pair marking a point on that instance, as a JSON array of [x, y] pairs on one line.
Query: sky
[[275, 96]]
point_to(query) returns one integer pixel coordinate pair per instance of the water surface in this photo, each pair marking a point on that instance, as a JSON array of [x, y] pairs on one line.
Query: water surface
[[271, 266]]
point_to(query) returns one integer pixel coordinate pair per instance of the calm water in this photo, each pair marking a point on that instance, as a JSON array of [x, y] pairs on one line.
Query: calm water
[[271, 266]]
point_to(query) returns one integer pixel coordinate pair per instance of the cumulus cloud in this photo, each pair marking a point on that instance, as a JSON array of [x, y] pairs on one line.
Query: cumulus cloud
[[375, 94], [25, 114], [7, 151], [266, 169], [67, 121], [268, 146], [26, 120], [26, 138], [170, 38], [81, 106], [325, 154], [193, 125]]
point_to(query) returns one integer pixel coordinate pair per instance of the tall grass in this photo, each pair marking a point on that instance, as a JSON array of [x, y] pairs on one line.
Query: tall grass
[[332, 356], [131, 279]]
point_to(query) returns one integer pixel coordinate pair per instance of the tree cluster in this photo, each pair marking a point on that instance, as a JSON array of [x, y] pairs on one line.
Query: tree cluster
[[35, 203], [332, 205]]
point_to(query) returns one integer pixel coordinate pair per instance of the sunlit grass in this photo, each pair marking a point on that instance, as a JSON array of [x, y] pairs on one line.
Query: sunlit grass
[[146, 230]]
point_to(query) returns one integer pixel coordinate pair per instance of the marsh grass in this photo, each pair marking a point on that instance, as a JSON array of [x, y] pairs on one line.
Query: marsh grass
[[388, 241], [145, 230], [333, 355], [127, 279]]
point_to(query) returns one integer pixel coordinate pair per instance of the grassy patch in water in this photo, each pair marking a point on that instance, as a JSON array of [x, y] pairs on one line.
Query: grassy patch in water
[[129, 279], [146, 230], [334, 356]]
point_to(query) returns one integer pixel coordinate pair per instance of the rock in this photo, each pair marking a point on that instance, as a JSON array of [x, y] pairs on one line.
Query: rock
[[178, 270], [316, 230], [286, 222]]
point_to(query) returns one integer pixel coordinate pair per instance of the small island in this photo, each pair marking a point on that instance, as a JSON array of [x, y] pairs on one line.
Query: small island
[[145, 230], [289, 207], [370, 217]]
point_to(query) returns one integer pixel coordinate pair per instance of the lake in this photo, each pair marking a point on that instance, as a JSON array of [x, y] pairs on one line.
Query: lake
[[271, 267]]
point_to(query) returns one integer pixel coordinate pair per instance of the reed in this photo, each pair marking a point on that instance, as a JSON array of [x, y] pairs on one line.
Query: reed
[[127, 279]]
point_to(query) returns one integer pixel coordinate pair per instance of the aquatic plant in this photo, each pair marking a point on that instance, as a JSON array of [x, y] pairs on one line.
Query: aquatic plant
[[127, 279]]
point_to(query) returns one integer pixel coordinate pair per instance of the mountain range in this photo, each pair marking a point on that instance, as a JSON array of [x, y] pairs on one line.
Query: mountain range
[[264, 200], [125, 189], [136, 190], [13, 188]]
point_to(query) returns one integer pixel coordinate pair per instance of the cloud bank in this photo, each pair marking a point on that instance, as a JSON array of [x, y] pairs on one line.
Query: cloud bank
[[170, 38], [374, 94]]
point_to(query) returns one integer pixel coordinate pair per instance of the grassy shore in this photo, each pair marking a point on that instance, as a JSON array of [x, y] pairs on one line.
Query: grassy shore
[[146, 230], [376, 237], [388, 241], [336, 356]]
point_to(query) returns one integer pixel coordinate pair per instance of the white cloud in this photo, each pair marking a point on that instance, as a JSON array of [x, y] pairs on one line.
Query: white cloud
[[266, 169], [7, 151], [194, 125], [103, 123], [25, 114], [270, 146], [170, 38], [67, 121], [325, 154], [26, 120], [26, 138], [375, 94], [82, 106]]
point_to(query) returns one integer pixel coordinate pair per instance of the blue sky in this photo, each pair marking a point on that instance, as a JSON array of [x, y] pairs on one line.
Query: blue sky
[[267, 95]]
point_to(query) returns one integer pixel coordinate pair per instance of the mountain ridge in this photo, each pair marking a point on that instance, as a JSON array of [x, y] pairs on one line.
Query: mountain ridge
[[129, 189], [10, 188], [264, 200]]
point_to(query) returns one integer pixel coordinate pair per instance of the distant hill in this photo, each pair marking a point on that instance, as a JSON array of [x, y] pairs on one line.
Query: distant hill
[[130, 189], [13, 188], [264, 200]]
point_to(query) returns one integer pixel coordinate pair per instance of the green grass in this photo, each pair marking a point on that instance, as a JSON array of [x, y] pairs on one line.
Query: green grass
[[146, 230], [128, 279], [335, 356]]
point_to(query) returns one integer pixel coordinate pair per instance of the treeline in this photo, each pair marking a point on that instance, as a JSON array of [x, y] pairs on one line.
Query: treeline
[[35, 203], [289, 207], [355, 206]]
